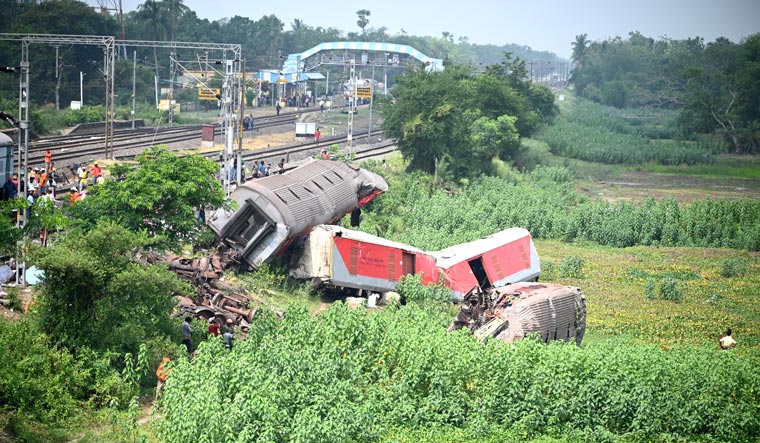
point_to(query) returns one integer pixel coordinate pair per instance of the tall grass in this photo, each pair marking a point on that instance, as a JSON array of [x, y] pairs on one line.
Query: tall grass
[[597, 133]]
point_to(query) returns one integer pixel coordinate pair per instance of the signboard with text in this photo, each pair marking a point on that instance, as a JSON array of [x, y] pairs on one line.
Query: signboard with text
[[364, 92], [208, 94]]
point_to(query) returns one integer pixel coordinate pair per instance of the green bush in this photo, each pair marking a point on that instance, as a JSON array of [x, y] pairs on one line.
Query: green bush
[[734, 267], [42, 383], [572, 267], [372, 376], [411, 289], [649, 292], [671, 290]]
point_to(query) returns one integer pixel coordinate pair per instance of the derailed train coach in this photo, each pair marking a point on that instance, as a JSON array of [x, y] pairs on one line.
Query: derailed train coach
[[334, 257], [337, 258], [549, 311], [503, 258], [275, 210]]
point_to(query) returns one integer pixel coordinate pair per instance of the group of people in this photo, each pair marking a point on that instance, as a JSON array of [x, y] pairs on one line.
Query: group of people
[[215, 328], [248, 122]]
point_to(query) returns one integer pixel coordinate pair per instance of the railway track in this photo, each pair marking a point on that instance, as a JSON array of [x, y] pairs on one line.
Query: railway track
[[291, 153], [70, 148]]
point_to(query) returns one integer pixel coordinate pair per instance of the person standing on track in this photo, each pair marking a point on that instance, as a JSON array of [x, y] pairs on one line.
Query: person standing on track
[[48, 159], [317, 135]]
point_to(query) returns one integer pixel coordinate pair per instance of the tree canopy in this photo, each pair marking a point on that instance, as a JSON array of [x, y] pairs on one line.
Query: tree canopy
[[160, 195], [714, 85], [464, 120]]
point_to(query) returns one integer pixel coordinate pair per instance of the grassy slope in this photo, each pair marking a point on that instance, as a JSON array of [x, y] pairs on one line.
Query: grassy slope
[[614, 283], [615, 279]]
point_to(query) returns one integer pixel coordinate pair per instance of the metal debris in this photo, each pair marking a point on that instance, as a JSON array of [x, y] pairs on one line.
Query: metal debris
[[211, 300], [515, 311]]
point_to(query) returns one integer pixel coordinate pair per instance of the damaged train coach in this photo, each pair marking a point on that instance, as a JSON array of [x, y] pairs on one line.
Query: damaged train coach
[[503, 258], [274, 210], [338, 258]]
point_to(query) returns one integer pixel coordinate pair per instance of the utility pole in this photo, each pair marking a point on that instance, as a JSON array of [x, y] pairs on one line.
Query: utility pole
[[241, 93], [351, 106], [298, 78], [57, 80], [23, 145], [230, 97], [371, 101], [172, 67], [134, 76]]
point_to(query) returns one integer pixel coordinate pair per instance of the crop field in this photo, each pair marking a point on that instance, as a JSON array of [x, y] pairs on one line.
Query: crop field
[[615, 282], [596, 133]]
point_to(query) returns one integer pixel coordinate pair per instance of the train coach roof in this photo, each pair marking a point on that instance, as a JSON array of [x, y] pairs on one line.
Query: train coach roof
[[367, 182], [5, 140], [340, 231], [459, 253], [319, 191]]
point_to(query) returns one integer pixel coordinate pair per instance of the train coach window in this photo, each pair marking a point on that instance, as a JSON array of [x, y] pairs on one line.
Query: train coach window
[[248, 224]]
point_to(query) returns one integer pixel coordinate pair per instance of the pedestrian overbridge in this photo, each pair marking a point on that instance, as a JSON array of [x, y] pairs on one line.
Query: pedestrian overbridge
[[362, 53]]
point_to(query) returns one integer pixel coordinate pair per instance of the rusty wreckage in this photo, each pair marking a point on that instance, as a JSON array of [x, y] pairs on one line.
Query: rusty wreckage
[[288, 217]]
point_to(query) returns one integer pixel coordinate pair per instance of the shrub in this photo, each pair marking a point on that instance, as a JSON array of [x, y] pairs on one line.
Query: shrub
[[410, 288], [572, 267], [671, 290], [649, 291], [734, 267]]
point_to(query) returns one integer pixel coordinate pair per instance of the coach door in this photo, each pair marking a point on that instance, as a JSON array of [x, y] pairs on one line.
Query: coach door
[[407, 263], [476, 266]]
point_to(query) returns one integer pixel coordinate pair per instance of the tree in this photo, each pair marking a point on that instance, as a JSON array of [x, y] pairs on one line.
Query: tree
[[711, 92], [493, 139], [151, 13], [96, 294], [580, 48], [173, 10], [363, 20], [464, 120], [160, 196]]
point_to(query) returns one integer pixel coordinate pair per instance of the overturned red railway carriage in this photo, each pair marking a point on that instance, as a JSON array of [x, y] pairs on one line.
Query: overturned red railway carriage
[[335, 257], [506, 257]]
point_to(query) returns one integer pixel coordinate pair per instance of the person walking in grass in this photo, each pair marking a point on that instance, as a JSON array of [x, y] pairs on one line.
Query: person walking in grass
[[187, 335]]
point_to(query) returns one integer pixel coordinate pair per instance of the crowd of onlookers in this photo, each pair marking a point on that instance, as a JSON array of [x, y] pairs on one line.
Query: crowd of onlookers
[[42, 183]]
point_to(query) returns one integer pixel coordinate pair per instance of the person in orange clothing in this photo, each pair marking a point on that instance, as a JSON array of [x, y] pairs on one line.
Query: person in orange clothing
[[96, 172], [42, 181], [48, 159], [162, 373], [74, 197]]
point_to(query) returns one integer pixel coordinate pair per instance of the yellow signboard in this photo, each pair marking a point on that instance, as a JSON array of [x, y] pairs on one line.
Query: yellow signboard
[[208, 94], [364, 92]]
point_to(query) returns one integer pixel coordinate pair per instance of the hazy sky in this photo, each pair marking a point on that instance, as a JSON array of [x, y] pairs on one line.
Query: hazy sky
[[548, 25]]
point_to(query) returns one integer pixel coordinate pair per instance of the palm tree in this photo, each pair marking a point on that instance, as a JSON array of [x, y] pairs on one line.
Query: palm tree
[[151, 13], [173, 11], [580, 50], [297, 25], [363, 20]]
